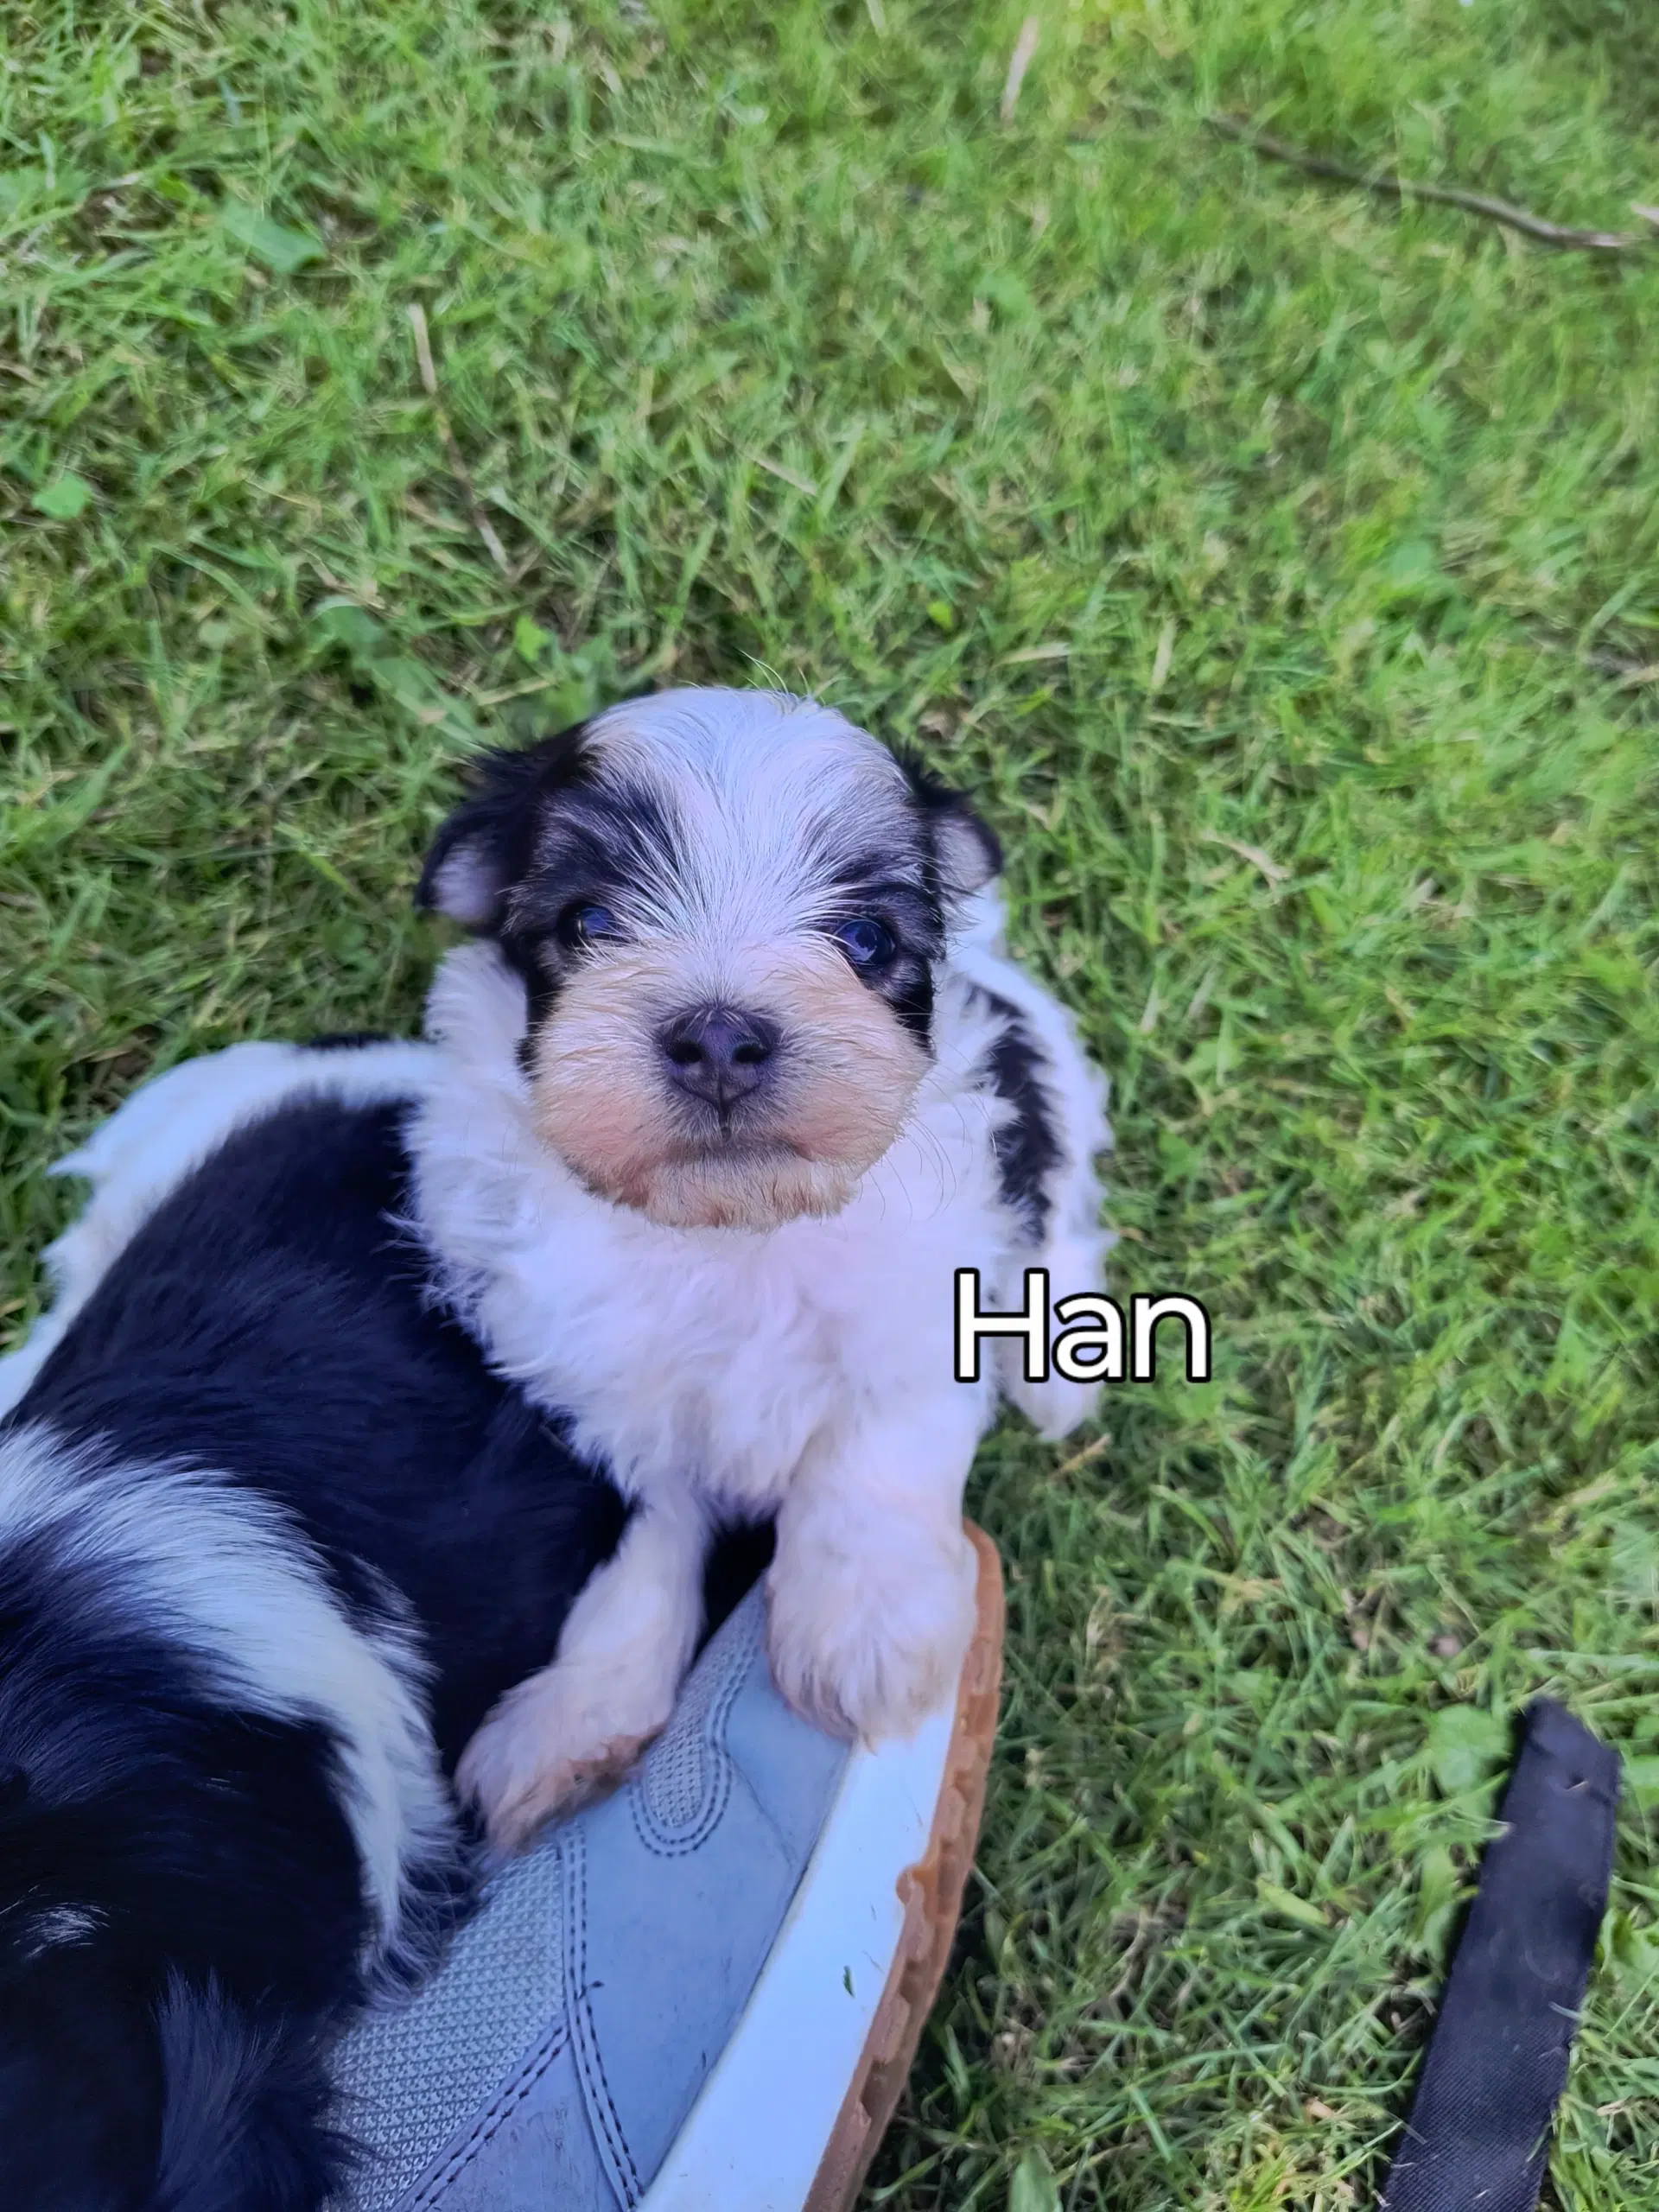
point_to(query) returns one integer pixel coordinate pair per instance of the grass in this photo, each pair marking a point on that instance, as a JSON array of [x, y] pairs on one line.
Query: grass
[[1278, 566]]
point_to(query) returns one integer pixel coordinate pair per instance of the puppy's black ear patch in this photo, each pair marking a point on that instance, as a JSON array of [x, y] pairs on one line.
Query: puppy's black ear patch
[[488, 843], [966, 849]]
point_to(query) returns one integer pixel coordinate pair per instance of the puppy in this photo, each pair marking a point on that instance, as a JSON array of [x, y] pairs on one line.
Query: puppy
[[738, 1076], [393, 1393], [273, 1539]]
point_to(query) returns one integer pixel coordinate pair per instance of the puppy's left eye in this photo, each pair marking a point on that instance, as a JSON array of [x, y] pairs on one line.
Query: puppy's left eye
[[586, 924], [865, 942]]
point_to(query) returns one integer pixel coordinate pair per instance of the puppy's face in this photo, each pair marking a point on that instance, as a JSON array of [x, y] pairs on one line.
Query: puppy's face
[[726, 907]]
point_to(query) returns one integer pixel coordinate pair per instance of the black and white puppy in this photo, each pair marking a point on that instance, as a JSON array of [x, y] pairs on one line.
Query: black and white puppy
[[272, 1540], [366, 1362], [739, 1076]]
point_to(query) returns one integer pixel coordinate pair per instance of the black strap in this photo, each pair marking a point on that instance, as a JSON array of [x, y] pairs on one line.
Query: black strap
[[1478, 2138]]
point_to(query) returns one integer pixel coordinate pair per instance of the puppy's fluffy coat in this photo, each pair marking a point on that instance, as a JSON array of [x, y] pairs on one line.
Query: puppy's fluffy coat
[[743, 1304], [360, 1358]]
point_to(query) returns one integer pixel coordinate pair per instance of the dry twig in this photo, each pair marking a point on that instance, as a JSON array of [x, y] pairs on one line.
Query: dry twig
[[481, 522], [1019, 62], [1626, 675], [1402, 188], [1254, 854], [1081, 1458]]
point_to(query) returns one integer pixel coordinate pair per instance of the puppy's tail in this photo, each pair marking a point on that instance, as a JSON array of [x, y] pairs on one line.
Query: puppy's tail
[[245, 2110]]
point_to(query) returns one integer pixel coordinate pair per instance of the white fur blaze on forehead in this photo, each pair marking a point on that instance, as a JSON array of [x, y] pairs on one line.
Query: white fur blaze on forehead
[[847, 1072], [739, 743], [768, 797]]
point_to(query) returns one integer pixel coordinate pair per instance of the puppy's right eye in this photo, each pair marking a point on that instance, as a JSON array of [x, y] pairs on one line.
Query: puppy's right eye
[[586, 924]]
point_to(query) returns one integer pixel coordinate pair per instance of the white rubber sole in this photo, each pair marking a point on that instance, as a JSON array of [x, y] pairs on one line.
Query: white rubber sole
[[792, 2113]]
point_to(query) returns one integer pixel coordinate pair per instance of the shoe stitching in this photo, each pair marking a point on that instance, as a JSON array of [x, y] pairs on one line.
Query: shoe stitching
[[587, 2050], [461, 2156], [667, 1843]]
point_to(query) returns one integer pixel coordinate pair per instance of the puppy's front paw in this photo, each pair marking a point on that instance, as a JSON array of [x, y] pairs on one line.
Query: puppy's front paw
[[868, 1645], [544, 1748]]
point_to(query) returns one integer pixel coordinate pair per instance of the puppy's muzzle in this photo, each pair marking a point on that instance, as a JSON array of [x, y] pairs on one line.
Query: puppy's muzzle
[[720, 1055]]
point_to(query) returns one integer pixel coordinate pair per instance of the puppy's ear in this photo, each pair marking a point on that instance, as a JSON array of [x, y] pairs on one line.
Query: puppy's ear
[[967, 850], [486, 845]]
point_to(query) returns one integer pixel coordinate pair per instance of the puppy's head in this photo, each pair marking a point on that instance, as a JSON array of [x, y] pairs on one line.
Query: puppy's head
[[727, 908]]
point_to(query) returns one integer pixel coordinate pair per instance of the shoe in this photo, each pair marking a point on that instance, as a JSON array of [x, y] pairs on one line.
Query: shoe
[[705, 1993]]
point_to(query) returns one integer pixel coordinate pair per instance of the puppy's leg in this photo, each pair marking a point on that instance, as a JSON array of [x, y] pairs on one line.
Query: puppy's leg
[[871, 1593], [565, 1734]]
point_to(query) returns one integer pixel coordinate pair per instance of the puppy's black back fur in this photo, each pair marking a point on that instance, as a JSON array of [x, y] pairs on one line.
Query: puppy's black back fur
[[181, 1910], [274, 1319]]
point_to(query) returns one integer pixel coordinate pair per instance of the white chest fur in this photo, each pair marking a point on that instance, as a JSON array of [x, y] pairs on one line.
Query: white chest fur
[[711, 1358]]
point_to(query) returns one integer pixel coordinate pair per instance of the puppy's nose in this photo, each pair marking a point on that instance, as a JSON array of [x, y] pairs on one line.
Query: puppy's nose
[[719, 1054]]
